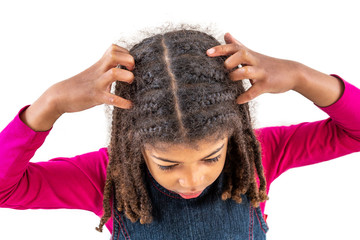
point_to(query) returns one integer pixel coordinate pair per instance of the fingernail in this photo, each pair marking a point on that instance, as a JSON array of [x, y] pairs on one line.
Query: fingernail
[[211, 51]]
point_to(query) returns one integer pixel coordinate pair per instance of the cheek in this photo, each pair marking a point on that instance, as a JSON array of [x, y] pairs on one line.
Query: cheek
[[216, 170]]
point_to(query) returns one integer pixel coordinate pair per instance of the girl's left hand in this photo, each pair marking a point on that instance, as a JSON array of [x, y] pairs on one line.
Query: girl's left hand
[[266, 74]]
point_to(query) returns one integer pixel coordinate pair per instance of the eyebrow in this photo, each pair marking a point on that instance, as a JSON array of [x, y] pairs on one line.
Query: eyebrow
[[171, 161]]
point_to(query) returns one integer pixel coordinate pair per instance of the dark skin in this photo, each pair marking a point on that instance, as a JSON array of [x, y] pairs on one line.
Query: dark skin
[[273, 75], [92, 86], [82, 91], [193, 172]]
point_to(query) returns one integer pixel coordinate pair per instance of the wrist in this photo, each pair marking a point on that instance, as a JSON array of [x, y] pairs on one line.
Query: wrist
[[41, 115], [299, 75], [52, 99], [320, 88]]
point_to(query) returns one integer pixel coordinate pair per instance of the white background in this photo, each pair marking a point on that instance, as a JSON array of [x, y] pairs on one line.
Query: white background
[[44, 42]]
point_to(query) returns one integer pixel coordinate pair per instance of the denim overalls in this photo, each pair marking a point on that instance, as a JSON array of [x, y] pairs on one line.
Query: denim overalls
[[206, 217]]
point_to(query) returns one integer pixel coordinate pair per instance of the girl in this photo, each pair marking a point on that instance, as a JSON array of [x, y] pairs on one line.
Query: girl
[[184, 161]]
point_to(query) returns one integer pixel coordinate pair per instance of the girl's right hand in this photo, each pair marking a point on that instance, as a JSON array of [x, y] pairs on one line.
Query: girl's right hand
[[92, 86]]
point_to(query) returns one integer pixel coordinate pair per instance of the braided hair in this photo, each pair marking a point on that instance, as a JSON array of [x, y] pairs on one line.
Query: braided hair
[[180, 96]]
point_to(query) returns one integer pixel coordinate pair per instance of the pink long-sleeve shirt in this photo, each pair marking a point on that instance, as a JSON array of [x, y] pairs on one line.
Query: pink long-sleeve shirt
[[78, 182]]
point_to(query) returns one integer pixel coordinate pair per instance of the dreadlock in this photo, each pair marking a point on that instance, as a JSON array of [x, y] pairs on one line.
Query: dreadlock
[[180, 96]]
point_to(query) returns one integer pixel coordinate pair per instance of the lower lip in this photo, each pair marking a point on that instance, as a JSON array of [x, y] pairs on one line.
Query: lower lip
[[190, 196]]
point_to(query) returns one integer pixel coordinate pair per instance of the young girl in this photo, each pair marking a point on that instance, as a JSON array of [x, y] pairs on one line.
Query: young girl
[[184, 161]]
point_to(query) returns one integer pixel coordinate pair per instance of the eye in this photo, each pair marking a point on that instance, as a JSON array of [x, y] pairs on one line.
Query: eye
[[167, 168], [211, 160]]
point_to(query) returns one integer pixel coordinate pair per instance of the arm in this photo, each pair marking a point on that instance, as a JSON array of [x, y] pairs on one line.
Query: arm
[[70, 183], [62, 182], [74, 183], [273, 75], [285, 147], [322, 89], [42, 114], [305, 143]]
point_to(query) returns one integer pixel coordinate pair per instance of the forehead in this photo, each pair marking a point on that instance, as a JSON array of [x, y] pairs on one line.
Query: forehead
[[195, 146]]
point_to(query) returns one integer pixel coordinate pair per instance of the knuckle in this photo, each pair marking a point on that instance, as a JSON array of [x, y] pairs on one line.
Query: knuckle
[[121, 49], [245, 54], [112, 57], [113, 72], [109, 50], [254, 92], [113, 47], [225, 48], [245, 71], [233, 48], [227, 64], [106, 98], [241, 53], [236, 46], [122, 75]]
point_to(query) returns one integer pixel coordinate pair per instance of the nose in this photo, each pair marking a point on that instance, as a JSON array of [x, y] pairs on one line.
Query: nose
[[192, 180]]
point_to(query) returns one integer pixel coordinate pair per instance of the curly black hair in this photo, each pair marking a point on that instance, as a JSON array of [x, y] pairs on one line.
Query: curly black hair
[[180, 96]]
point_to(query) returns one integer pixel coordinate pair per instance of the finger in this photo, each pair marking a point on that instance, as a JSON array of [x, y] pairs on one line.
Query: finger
[[246, 72], [116, 47], [230, 39], [250, 94], [116, 101], [124, 59], [118, 74], [240, 57], [223, 50]]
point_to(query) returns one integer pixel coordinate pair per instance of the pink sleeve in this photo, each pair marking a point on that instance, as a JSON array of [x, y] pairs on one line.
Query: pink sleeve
[[71, 183], [285, 147]]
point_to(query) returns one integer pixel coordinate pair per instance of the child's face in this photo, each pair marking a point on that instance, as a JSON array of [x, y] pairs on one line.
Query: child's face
[[196, 168]]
